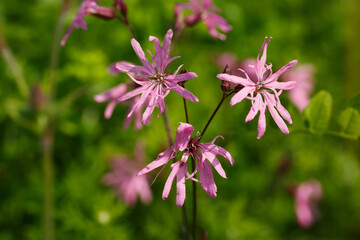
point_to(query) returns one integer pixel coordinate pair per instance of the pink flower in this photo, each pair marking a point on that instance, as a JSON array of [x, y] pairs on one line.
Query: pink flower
[[307, 194], [154, 83], [87, 7], [262, 91], [190, 147], [204, 11], [304, 77], [124, 180]]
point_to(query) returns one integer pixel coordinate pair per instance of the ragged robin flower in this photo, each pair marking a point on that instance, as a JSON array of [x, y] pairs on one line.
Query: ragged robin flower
[[263, 91], [190, 147]]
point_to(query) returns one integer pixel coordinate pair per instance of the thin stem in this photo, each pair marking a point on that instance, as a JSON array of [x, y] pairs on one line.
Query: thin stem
[[186, 111], [55, 49], [47, 137], [126, 22], [193, 182], [167, 127], [185, 223], [213, 114], [194, 201], [129, 27], [48, 171]]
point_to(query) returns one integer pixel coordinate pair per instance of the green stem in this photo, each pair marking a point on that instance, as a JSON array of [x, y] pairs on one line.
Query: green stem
[[48, 171], [194, 202], [224, 96]]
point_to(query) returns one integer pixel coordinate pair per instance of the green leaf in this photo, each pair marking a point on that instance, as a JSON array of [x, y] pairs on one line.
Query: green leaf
[[318, 112], [354, 102], [349, 121]]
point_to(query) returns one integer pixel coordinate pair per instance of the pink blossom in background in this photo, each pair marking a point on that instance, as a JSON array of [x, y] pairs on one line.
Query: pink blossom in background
[[154, 83], [115, 93], [307, 195], [124, 180], [236, 66], [88, 7], [204, 10], [303, 75], [190, 147], [262, 91]]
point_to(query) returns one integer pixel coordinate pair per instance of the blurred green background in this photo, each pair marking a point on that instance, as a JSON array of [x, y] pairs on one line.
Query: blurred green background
[[254, 202]]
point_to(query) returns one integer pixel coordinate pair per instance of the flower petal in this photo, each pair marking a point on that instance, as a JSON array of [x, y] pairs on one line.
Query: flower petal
[[239, 96], [180, 185], [183, 135], [235, 79], [162, 159], [140, 53], [168, 183], [282, 70], [182, 92]]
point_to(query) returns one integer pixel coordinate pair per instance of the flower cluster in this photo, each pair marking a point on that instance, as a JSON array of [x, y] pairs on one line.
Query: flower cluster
[[203, 10], [88, 7], [190, 147], [263, 91], [151, 83]]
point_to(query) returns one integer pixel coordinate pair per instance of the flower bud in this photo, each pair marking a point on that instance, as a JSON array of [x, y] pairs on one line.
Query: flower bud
[[225, 85], [192, 19], [103, 12], [120, 6], [38, 100]]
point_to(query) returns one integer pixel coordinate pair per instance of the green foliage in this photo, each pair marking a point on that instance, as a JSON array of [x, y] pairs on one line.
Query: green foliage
[[349, 121], [318, 112]]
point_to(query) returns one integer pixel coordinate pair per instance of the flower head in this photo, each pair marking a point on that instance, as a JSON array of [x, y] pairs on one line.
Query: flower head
[[87, 7], [190, 146], [204, 10], [303, 75], [263, 90], [124, 180], [154, 83], [307, 194]]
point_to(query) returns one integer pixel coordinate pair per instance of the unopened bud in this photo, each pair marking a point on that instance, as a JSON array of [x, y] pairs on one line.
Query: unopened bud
[[120, 6], [37, 99], [226, 86], [227, 69], [104, 13], [192, 19]]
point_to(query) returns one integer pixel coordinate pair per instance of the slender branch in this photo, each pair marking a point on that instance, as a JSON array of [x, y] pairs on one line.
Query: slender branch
[[213, 114], [47, 138], [131, 30], [185, 223], [194, 202], [48, 171], [167, 127], [126, 22], [186, 111], [55, 48]]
